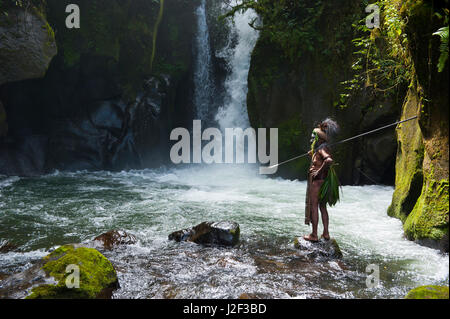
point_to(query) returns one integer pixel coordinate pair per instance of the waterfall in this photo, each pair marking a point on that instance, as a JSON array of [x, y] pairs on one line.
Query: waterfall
[[203, 77], [242, 40], [233, 113]]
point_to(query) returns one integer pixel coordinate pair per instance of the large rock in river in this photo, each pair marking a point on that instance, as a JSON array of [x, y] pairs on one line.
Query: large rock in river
[[49, 277], [323, 248], [210, 233]]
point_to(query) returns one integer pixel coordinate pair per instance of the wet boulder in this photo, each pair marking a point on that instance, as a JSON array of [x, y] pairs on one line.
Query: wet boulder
[[114, 238], [210, 233], [322, 248], [55, 276]]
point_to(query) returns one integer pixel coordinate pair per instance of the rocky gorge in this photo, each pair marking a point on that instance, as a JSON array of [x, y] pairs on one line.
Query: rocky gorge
[[104, 98]]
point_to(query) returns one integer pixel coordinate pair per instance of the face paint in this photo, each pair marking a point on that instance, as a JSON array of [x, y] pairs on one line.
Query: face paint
[[314, 140]]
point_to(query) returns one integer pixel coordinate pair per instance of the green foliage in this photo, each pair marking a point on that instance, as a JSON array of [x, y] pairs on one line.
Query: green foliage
[[443, 33], [429, 218], [292, 25], [329, 192], [381, 58]]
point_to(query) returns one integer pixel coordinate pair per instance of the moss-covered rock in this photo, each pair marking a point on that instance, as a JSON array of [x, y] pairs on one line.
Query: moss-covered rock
[[428, 292], [421, 196], [429, 218], [409, 161], [97, 279]]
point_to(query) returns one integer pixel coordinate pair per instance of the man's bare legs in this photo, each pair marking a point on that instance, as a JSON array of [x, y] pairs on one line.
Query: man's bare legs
[[314, 193], [325, 221]]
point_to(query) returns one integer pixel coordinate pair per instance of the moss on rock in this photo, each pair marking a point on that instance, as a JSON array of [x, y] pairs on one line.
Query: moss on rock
[[420, 198], [429, 218], [428, 292], [409, 162], [97, 275], [421, 195]]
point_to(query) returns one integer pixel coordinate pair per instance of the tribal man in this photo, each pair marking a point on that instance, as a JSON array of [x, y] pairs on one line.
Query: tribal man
[[321, 162]]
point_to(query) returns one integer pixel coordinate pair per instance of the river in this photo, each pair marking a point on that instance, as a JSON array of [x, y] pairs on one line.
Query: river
[[41, 213]]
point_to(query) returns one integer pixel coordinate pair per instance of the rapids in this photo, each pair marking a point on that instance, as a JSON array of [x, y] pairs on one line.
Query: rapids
[[41, 213]]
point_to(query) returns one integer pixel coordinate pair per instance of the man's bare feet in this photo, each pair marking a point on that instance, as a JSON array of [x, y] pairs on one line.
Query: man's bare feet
[[326, 237], [311, 238]]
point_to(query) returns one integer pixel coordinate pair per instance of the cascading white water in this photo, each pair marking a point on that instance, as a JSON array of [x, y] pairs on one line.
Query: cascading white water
[[234, 112], [237, 53], [203, 78]]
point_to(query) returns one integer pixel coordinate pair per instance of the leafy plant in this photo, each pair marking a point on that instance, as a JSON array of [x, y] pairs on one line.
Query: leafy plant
[[443, 33], [381, 58], [329, 192]]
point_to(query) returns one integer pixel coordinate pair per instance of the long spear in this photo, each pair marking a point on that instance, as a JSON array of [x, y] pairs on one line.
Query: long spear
[[349, 139]]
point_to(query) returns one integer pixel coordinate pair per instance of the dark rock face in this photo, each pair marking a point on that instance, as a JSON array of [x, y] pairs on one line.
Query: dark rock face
[[3, 124], [323, 248], [115, 238], [210, 233], [102, 104], [24, 156], [27, 45]]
